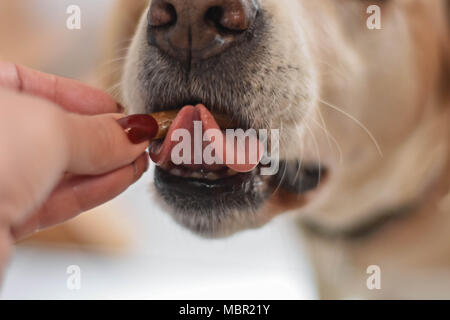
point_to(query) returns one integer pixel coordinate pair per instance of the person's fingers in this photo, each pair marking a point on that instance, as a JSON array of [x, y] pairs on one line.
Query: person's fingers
[[80, 194], [98, 144], [70, 94]]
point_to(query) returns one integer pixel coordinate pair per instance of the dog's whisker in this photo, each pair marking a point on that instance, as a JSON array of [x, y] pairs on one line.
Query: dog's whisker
[[114, 88], [322, 127], [302, 145], [110, 68], [112, 61], [329, 136], [356, 121], [316, 146]]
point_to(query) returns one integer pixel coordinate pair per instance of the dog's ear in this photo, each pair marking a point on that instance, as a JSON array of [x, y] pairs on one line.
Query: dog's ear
[[119, 32]]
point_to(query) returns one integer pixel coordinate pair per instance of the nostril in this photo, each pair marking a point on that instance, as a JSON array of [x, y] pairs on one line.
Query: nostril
[[228, 19], [213, 16], [194, 30], [162, 14]]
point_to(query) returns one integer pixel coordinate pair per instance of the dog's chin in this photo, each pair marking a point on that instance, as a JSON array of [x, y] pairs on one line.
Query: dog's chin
[[214, 207], [224, 204]]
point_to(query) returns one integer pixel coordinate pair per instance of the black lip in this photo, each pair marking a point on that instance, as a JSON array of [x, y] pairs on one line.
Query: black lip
[[189, 185], [242, 191], [298, 178], [205, 206]]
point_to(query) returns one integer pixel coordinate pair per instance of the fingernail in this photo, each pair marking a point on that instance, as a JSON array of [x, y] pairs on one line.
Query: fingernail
[[120, 108], [139, 127]]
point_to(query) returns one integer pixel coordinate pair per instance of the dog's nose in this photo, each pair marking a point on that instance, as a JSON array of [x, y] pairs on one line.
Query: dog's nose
[[198, 29]]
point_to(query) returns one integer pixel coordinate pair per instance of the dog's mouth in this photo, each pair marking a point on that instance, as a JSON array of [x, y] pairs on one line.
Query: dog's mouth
[[206, 180], [210, 183], [218, 190]]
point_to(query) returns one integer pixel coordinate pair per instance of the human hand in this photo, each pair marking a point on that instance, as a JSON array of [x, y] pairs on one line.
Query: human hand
[[55, 162]]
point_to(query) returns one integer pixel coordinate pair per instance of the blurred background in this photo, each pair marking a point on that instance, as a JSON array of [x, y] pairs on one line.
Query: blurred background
[[130, 248]]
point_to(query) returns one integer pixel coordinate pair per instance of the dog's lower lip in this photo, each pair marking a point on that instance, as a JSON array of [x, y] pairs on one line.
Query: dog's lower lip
[[186, 185]]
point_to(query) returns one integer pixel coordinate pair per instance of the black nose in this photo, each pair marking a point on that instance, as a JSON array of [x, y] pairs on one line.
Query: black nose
[[198, 29]]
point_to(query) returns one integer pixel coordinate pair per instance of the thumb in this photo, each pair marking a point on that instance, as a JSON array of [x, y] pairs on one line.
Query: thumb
[[98, 144]]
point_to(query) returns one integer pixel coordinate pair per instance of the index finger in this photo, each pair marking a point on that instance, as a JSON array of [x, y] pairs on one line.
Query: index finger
[[70, 94]]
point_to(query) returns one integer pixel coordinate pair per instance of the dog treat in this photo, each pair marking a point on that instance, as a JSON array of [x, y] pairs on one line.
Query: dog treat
[[165, 119], [155, 126]]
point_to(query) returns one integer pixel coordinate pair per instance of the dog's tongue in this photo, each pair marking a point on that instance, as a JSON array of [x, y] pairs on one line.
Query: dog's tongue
[[244, 158]]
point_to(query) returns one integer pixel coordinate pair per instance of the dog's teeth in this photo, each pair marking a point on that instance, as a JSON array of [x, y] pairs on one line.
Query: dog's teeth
[[212, 176], [231, 172], [176, 172], [196, 175], [200, 174]]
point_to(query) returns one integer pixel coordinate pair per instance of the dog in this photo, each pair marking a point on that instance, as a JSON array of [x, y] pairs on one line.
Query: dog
[[364, 119]]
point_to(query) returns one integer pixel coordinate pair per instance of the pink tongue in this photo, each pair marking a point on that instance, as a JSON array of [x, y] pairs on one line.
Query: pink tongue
[[244, 160]]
